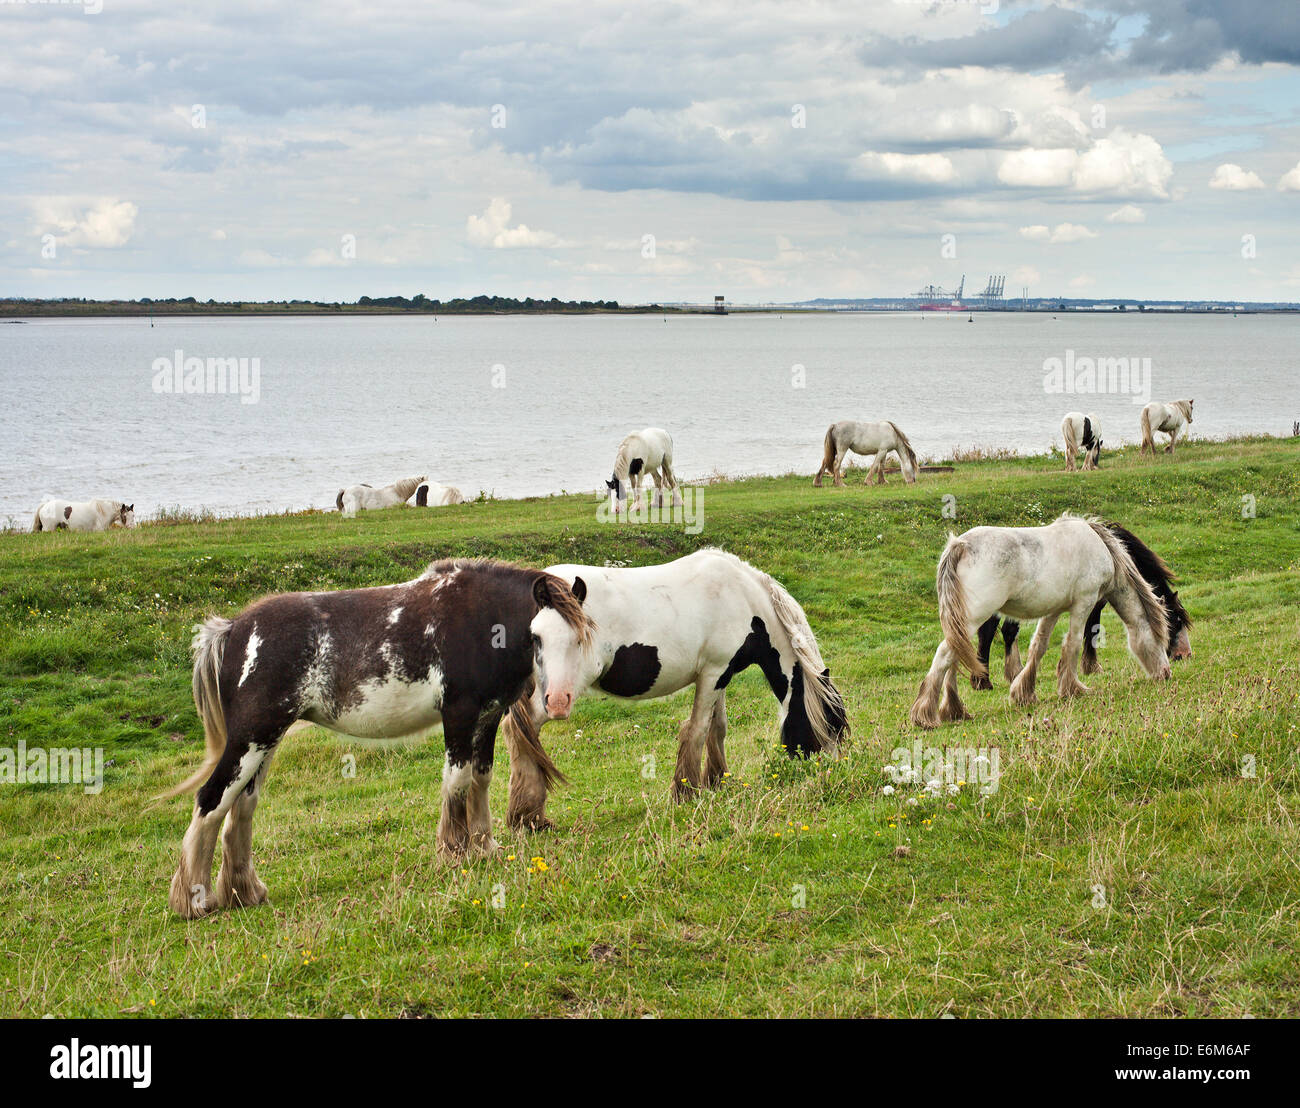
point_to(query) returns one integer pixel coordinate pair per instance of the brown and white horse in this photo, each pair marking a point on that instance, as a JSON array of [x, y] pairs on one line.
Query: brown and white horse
[[454, 646], [83, 515], [357, 498]]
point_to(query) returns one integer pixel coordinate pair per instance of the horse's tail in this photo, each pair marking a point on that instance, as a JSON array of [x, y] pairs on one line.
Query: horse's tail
[[903, 444], [828, 448], [952, 607], [823, 704], [338, 500], [519, 724], [36, 519], [1128, 577], [1147, 440], [209, 647]]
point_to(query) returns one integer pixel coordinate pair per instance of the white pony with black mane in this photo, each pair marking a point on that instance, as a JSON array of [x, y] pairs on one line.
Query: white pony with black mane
[[649, 451], [698, 621], [1170, 418], [879, 439], [83, 515], [1036, 573], [356, 498], [1081, 433]]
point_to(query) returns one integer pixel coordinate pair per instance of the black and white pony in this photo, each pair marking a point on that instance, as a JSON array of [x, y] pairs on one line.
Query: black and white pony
[[356, 498], [1036, 573], [83, 515], [649, 451], [1081, 434], [698, 621], [1156, 574], [454, 647]]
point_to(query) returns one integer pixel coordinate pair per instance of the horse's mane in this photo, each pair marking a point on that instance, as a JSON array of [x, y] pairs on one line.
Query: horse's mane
[[562, 599], [406, 486], [621, 459], [1157, 574], [1184, 406], [903, 442]]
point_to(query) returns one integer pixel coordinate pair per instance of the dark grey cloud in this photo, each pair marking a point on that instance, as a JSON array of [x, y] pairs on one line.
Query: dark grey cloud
[[1038, 40], [1192, 35]]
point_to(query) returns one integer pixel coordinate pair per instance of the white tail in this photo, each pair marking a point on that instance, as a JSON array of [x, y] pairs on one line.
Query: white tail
[[209, 648], [952, 608]]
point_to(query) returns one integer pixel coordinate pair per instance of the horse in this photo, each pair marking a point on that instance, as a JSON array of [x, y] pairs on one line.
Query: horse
[[698, 621], [454, 646], [1170, 418], [866, 438], [434, 495], [1156, 574], [1036, 573], [1081, 430], [83, 515], [355, 498], [649, 451]]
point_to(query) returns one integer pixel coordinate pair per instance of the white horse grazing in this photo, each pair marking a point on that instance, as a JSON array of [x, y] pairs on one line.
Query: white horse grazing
[[696, 621], [355, 498], [83, 515], [649, 451], [866, 438], [1036, 573], [1170, 418], [434, 495], [1081, 432]]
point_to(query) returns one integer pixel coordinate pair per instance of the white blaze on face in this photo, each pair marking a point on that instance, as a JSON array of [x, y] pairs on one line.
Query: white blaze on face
[[250, 655], [557, 657]]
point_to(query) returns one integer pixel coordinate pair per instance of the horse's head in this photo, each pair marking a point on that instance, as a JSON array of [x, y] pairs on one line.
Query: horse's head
[[1190, 404], [615, 487], [126, 515], [1094, 455], [562, 638]]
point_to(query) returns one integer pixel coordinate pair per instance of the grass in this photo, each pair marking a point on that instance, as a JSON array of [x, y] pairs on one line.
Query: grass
[[1129, 864]]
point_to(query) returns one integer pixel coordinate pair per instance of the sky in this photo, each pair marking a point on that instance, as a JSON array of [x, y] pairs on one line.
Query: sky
[[768, 152]]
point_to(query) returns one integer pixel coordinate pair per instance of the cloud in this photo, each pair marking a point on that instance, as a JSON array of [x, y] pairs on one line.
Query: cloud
[[1235, 179], [1290, 181], [103, 224], [1122, 164], [921, 168], [492, 228], [1129, 213], [1061, 233]]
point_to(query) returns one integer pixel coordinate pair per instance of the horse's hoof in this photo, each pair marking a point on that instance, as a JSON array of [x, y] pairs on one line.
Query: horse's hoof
[[530, 821], [980, 683]]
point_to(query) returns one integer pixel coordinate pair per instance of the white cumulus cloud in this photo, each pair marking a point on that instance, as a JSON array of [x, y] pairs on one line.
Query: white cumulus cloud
[[96, 224], [1235, 179], [492, 228], [1129, 213], [1290, 181], [1062, 232]]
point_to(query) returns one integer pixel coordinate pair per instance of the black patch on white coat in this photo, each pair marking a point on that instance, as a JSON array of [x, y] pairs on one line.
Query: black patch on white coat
[[757, 650], [1087, 440], [633, 672], [422, 496], [635, 467]]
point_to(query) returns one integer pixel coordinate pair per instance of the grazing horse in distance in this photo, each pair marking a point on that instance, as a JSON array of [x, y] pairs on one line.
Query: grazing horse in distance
[[434, 495], [866, 438], [698, 621], [1036, 573], [455, 646], [1170, 418], [1081, 432], [649, 451], [1154, 572], [83, 515], [355, 498]]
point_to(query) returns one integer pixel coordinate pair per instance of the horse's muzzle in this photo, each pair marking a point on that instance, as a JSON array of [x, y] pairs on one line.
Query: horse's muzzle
[[559, 705]]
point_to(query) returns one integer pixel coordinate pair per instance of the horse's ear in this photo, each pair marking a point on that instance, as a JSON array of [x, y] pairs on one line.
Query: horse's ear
[[67, 512], [542, 593], [130, 507], [580, 589]]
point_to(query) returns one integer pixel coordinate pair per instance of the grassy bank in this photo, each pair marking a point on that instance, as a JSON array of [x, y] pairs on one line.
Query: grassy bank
[[1126, 865]]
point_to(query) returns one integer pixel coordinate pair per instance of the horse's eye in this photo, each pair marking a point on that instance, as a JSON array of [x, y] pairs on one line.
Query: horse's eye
[[537, 642]]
